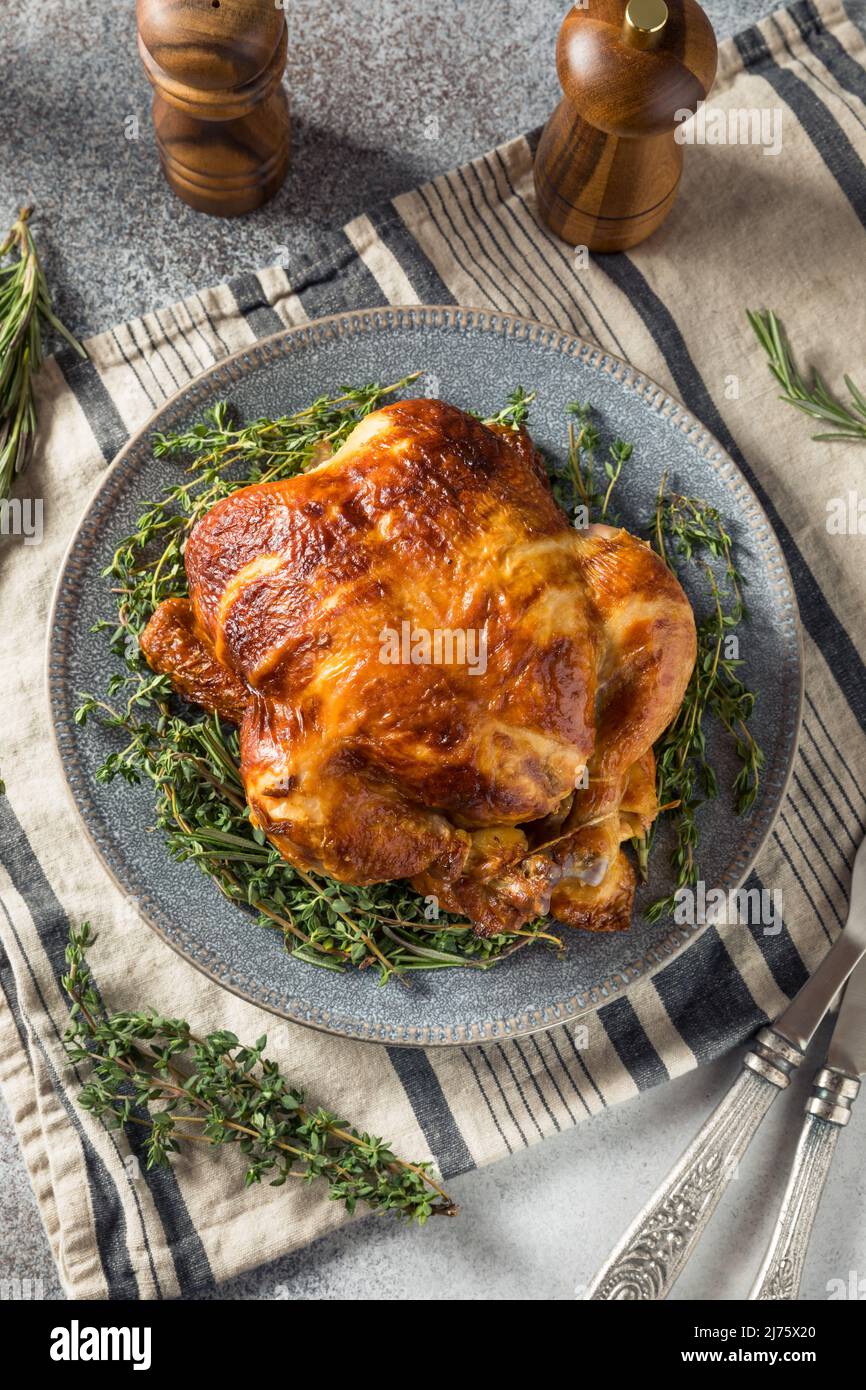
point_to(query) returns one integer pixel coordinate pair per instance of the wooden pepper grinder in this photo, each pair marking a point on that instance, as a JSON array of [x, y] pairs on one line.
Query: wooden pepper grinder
[[608, 166], [220, 113]]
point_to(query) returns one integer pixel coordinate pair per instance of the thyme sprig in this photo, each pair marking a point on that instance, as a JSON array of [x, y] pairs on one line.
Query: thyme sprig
[[154, 1073], [25, 313], [591, 486], [813, 397], [516, 413], [685, 531]]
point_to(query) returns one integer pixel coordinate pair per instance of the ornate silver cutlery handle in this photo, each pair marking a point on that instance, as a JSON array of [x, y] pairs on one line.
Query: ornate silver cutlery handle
[[654, 1250], [827, 1111]]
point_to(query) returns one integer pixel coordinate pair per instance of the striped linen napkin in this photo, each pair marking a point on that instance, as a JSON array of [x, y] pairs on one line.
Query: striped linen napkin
[[748, 229]]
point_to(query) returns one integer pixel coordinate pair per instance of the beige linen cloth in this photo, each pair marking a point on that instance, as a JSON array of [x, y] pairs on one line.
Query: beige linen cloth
[[749, 229]]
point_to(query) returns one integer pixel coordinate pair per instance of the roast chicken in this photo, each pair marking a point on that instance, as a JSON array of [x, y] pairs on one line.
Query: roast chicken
[[436, 677]]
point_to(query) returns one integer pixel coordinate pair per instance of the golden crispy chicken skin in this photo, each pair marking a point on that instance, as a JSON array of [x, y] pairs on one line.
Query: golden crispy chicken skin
[[436, 678]]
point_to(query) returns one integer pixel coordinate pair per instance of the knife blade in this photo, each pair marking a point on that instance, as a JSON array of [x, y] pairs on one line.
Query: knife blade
[[802, 1018], [847, 1050]]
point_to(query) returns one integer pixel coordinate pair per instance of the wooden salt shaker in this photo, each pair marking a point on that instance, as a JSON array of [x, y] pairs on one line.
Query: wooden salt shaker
[[608, 165], [220, 113]]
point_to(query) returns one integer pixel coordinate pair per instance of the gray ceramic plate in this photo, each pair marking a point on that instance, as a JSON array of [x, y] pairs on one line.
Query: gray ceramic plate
[[473, 359]]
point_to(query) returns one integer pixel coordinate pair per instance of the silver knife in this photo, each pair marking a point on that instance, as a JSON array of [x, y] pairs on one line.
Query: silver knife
[[828, 1110], [655, 1248]]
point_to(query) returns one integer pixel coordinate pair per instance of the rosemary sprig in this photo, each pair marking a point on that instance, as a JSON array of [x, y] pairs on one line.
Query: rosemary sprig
[[155, 1073], [25, 311], [686, 531], [814, 398], [193, 763]]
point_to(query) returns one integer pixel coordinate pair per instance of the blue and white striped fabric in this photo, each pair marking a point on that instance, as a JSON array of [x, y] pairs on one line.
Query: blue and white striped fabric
[[788, 231]]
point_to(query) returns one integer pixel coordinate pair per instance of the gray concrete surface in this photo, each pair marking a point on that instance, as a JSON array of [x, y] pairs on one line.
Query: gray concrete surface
[[366, 79], [370, 81]]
